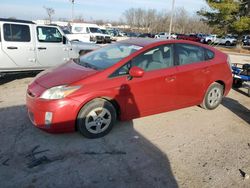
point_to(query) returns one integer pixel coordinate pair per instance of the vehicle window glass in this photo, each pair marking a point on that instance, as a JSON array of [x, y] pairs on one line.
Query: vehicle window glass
[[78, 29], [108, 56], [188, 54], [49, 34], [157, 58], [16, 33], [209, 54]]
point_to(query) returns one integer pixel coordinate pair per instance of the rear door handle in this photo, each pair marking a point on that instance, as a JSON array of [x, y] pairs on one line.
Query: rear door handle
[[206, 70], [41, 48], [170, 78], [12, 47]]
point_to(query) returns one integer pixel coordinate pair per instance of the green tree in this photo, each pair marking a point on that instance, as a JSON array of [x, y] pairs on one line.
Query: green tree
[[228, 16]]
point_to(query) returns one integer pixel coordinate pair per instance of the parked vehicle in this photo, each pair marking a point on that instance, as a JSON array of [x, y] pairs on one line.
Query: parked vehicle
[[76, 37], [191, 37], [107, 36], [162, 36], [246, 40], [241, 74], [129, 79], [91, 30], [228, 41], [146, 35], [26, 46], [210, 39]]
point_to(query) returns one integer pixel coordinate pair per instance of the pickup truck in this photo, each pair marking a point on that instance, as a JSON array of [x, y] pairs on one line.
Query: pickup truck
[[228, 41], [26, 46], [75, 36]]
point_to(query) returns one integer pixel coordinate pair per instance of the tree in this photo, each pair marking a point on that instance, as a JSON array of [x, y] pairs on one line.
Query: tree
[[229, 16], [50, 12]]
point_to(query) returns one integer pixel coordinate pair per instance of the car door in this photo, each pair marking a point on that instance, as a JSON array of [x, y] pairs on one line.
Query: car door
[[18, 45], [50, 48], [155, 91], [192, 75]]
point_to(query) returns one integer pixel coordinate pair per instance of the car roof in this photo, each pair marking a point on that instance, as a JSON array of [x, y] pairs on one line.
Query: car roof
[[142, 41], [15, 21]]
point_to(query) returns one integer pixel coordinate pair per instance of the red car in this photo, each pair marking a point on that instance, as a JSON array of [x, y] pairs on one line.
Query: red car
[[126, 80]]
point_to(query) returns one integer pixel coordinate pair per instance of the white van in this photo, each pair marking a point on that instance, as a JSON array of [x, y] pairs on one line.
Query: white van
[[26, 46], [92, 30]]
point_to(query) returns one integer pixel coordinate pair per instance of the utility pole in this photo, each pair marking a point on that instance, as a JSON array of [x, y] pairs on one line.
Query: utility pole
[[72, 10], [171, 19]]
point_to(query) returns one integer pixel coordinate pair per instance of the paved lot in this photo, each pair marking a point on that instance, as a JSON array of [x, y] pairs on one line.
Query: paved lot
[[191, 147]]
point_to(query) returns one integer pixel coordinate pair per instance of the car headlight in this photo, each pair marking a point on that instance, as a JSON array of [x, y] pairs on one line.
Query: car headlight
[[59, 92]]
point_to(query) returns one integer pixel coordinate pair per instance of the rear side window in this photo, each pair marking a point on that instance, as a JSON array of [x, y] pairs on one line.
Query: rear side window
[[16, 33], [188, 53], [49, 34], [209, 54]]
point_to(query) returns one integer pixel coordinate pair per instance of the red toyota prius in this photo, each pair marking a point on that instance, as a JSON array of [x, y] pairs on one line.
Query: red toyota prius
[[129, 79]]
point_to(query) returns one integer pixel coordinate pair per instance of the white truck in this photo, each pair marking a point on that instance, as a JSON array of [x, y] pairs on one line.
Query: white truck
[[91, 30], [228, 41], [26, 46]]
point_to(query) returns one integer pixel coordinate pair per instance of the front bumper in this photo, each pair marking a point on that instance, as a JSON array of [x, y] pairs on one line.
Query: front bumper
[[64, 113]]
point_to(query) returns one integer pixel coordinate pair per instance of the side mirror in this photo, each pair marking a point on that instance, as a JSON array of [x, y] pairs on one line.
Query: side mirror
[[136, 72], [64, 40]]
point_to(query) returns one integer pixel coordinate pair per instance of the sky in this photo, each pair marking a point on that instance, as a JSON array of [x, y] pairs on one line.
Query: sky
[[88, 9]]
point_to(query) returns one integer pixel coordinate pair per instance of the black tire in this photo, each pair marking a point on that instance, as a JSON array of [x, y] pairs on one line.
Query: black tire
[[237, 83], [209, 42], [211, 102], [84, 118], [228, 43]]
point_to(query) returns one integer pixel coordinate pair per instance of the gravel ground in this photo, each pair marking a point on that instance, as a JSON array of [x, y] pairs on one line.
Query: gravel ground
[[191, 147]]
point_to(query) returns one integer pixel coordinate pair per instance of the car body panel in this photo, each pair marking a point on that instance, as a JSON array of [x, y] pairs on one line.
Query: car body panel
[[156, 91]]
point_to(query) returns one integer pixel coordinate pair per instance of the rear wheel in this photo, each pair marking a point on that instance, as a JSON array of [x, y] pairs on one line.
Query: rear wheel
[[213, 97], [96, 118]]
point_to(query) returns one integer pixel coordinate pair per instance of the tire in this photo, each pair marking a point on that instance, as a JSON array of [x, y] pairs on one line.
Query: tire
[[213, 96], [228, 43], [209, 42], [96, 118]]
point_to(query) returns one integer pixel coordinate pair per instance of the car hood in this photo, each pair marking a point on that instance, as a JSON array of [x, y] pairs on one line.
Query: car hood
[[63, 75]]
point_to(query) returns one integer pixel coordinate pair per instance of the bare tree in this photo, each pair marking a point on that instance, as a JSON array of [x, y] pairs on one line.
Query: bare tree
[[150, 20], [50, 12]]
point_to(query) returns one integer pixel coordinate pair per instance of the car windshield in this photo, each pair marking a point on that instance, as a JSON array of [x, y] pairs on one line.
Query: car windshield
[[95, 30], [104, 31], [107, 56]]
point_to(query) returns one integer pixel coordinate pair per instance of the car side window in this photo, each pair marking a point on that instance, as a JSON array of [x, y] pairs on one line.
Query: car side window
[[188, 53], [16, 33], [49, 34], [209, 54], [156, 58]]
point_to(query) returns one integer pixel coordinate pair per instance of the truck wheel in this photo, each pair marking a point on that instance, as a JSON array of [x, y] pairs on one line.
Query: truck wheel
[[209, 42], [213, 97], [228, 43], [96, 118]]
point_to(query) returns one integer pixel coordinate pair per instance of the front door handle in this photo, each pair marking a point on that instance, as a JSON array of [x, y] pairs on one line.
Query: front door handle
[[41, 48], [12, 47]]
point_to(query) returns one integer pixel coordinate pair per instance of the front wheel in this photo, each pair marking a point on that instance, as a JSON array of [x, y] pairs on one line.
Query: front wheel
[[96, 118], [213, 97]]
